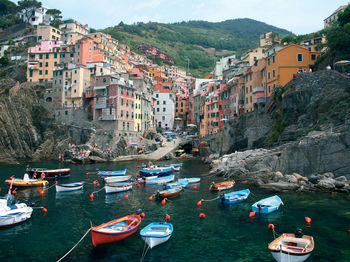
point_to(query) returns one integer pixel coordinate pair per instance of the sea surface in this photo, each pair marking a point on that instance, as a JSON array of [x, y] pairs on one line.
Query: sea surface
[[226, 234]]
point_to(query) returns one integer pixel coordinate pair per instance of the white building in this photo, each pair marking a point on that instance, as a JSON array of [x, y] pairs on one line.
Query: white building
[[223, 64], [164, 109], [37, 16]]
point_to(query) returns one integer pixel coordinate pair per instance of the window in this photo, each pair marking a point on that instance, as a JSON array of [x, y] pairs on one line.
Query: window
[[40, 64], [164, 102], [313, 57], [157, 95], [78, 60], [55, 55], [121, 113], [157, 109], [127, 102], [163, 118], [269, 75], [251, 99], [46, 72], [46, 64], [127, 91], [157, 102], [104, 80], [268, 61], [75, 91], [40, 56], [273, 73], [163, 109], [273, 59], [251, 88], [269, 89], [55, 64], [300, 57], [122, 90], [182, 104], [122, 101], [47, 56]]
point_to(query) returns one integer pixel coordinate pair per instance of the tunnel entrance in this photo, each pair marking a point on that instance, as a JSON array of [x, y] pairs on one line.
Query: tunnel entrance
[[187, 147]]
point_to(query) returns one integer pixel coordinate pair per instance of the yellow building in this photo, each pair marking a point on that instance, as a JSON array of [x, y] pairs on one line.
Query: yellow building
[[105, 42], [72, 31], [137, 112], [269, 39], [47, 33], [42, 60], [69, 85], [330, 20], [253, 55], [314, 43], [282, 65]]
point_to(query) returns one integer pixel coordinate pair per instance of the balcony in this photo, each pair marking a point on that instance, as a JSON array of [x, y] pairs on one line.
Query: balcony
[[258, 89], [261, 100], [108, 117], [33, 60], [33, 67], [100, 87]]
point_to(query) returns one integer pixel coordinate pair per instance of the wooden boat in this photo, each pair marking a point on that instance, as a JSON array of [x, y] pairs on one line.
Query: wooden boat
[[69, 187], [169, 192], [234, 197], [112, 173], [13, 214], [49, 173], [155, 172], [160, 180], [118, 187], [267, 205], [182, 184], [116, 179], [222, 185], [289, 247], [115, 230], [156, 233], [190, 179], [174, 167], [26, 182]]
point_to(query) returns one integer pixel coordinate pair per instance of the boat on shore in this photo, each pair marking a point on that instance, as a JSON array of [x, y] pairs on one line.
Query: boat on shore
[[117, 179], [117, 187], [48, 173], [292, 247], [222, 185], [160, 180], [169, 192], [234, 197], [112, 173], [11, 213], [26, 182], [69, 187], [267, 205], [156, 233], [115, 230]]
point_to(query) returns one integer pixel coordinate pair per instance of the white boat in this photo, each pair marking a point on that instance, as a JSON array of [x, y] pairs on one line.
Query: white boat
[[156, 233], [118, 187], [116, 179], [292, 247], [160, 180], [13, 214], [190, 179], [69, 187]]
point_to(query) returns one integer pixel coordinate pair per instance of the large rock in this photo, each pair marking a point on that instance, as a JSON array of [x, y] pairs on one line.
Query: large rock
[[326, 184], [280, 186]]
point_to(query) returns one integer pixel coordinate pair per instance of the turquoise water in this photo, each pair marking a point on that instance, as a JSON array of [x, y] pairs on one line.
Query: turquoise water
[[226, 234]]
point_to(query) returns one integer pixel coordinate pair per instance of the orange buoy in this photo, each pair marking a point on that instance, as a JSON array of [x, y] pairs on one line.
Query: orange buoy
[[42, 193], [44, 210], [194, 187], [271, 226], [167, 217], [201, 215], [199, 203], [94, 182], [11, 177], [108, 174], [252, 214], [150, 198], [56, 182], [98, 184], [126, 196], [92, 196], [14, 192], [142, 215], [137, 175], [42, 175], [87, 174], [308, 220], [163, 201], [138, 185], [137, 167], [98, 174], [348, 230]]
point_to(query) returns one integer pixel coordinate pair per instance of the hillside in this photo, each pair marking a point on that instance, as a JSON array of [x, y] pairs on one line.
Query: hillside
[[201, 41]]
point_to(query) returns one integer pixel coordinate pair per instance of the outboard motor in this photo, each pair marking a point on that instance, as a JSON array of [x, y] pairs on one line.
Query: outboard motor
[[299, 233], [10, 199], [222, 197], [259, 207], [138, 211]]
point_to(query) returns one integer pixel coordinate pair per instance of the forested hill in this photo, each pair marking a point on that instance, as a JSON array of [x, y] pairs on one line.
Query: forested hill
[[201, 41]]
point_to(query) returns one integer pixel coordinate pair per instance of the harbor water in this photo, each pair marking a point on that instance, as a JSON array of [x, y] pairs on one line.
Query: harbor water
[[227, 233]]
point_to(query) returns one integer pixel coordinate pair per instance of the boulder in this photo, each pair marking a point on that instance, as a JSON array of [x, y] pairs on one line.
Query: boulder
[[97, 159], [291, 179], [326, 184], [339, 184], [280, 186], [277, 176], [314, 179], [341, 178], [297, 176]]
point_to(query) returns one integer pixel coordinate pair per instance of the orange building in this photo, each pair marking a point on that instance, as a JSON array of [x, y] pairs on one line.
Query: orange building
[[282, 65], [86, 51]]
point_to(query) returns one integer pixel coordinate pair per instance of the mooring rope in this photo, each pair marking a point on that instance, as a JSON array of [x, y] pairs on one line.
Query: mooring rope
[[75, 245], [210, 199], [144, 252], [98, 190], [44, 188]]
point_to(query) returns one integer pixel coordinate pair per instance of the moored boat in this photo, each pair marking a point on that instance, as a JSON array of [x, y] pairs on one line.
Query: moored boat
[[12, 214], [182, 184], [112, 173], [156, 233], [26, 182], [234, 197], [267, 205], [48, 173], [69, 187], [190, 179], [169, 192], [118, 187], [115, 230], [155, 172], [174, 167], [222, 185], [292, 247], [160, 180], [116, 179]]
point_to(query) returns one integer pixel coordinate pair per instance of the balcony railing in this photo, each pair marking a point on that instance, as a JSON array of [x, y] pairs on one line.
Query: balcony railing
[[258, 89], [108, 117]]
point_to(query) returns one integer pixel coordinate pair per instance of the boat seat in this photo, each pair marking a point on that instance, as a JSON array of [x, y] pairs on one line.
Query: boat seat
[[13, 207]]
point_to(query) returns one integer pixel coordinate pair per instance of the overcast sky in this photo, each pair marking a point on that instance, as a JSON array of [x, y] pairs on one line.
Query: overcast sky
[[298, 16]]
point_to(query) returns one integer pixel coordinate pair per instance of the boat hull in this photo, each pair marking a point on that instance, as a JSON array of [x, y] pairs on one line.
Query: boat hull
[[156, 233], [27, 183], [69, 187], [282, 257], [159, 180], [11, 217], [234, 197], [110, 188], [116, 179], [222, 186], [169, 193], [112, 173], [155, 241], [156, 172], [49, 173], [267, 205]]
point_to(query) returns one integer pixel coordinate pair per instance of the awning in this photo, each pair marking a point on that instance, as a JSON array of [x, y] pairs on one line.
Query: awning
[[342, 63]]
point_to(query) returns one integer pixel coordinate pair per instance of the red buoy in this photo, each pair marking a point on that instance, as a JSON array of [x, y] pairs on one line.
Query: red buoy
[[199, 203], [308, 220], [11, 177], [194, 187], [42, 193], [94, 182], [108, 174], [98, 174], [44, 210], [142, 215], [56, 182], [92, 196], [138, 185], [14, 192], [201, 215], [137, 175], [271, 226], [252, 214], [43, 175], [126, 196], [98, 184], [167, 217], [163, 201], [137, 167], [87, 174], [150, 198]]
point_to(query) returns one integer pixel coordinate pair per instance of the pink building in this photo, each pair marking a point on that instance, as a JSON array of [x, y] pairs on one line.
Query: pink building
[[86, 51]]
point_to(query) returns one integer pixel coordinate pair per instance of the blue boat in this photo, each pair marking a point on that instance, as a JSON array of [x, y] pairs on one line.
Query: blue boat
[[160, 180], [267, 205], [234, 197], [112, 173], [156, 172], [175, 165], [190, 179], [177, 184], [156, 233]]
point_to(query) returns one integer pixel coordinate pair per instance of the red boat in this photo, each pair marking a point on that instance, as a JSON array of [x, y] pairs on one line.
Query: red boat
[[222, 186], [48, 173], [169, 192], [115, 230]]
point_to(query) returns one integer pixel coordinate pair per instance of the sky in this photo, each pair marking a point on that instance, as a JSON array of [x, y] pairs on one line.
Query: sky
[[297, 16]]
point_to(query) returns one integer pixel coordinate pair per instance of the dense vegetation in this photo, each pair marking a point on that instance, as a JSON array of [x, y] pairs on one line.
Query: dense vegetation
[[200, 41]]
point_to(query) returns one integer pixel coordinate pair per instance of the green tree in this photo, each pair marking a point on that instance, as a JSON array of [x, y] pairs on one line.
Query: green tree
[[27, 6], [7, 7], [4, 61], [344, 17]]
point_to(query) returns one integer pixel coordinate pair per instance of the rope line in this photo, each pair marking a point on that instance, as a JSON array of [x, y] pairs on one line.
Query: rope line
[[75, 245], [98, 190], [210, 199], [144, 252]]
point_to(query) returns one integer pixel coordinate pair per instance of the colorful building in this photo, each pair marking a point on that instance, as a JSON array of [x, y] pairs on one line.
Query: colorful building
[[47, 33], [164, 107], [330, 20], [86, 51], [72, 31]]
